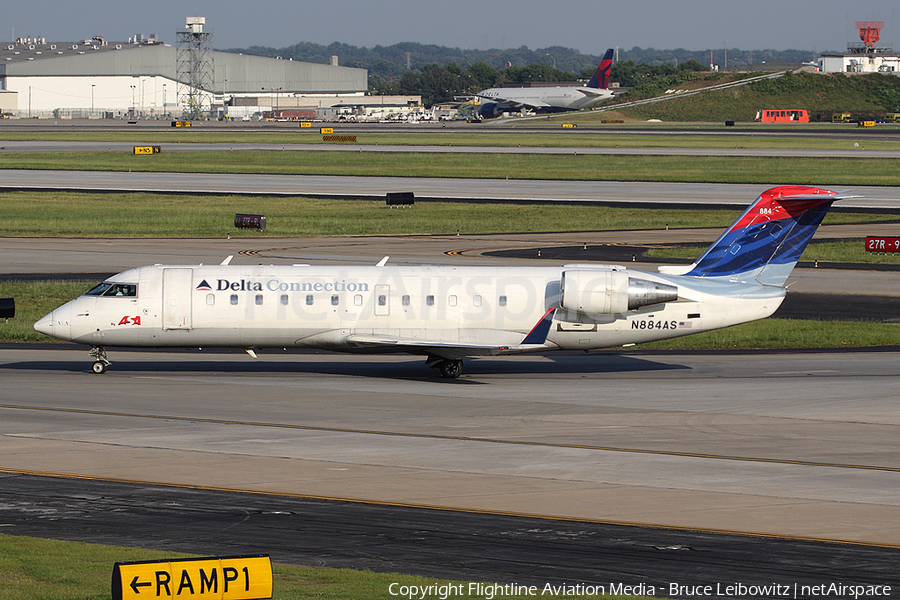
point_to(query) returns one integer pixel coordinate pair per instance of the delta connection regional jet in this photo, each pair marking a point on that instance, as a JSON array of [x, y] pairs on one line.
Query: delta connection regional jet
[[448, 313]]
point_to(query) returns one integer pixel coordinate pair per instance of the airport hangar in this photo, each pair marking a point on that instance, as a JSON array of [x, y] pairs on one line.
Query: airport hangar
[[94, 78]]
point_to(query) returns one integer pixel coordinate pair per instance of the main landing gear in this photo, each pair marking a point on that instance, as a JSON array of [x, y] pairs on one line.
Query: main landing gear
[[101, 363], [450, 369]]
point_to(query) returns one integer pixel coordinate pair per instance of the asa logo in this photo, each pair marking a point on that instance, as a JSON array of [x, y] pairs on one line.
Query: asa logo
[[204, 287], [126, 320]]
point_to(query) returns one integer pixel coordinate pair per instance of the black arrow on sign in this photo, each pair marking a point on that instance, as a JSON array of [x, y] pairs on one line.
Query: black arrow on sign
[[135, 585]]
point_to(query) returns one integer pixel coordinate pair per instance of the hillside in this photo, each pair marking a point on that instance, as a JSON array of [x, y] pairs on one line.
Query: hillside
[[820, 94]]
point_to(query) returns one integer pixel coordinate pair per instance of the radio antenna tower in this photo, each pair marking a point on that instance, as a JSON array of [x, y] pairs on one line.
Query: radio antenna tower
[[195, 69]]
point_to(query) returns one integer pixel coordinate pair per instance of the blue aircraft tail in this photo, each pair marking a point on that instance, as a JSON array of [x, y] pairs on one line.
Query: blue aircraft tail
[[765, 244], [600, 79]]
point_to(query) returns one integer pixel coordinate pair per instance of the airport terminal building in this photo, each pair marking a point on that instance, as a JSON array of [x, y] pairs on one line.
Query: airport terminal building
[[144, 78]]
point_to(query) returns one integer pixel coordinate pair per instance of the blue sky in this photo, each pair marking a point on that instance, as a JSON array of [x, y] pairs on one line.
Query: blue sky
[[591, 26]]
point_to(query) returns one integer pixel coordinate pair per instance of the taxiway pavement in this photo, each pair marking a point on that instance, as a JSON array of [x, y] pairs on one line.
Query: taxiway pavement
[[603, 192], [784, 444]]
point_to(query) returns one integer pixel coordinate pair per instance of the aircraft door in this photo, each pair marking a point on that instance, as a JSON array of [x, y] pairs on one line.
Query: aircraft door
[[177, 293], [382, 300]]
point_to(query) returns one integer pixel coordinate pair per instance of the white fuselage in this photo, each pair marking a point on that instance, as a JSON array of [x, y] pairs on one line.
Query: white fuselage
[[443, 311], [549, 98]]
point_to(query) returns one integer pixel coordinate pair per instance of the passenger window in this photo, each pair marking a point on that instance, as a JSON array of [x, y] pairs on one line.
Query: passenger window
[[476, 300], [502, 301], [451, 300], [284, 299], [334, 300], [210, 299], [234, 299], [405, 300], [309, 300], [357, 300], [429, 300], [259, 299]]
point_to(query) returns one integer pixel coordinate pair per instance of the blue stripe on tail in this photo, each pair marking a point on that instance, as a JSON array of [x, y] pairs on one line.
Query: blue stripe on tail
[[769, 238]]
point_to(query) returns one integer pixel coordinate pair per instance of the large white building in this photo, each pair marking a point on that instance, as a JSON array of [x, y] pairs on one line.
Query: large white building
[[860, 63], [865, 56], [139, 79]]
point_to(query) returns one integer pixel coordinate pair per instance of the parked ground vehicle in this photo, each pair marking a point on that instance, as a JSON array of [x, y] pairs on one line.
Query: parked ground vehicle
[[792, 115]]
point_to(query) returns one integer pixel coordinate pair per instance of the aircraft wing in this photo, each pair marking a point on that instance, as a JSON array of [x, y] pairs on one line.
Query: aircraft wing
[[449, 350], [595, 92], [455, 350], [512, 103]]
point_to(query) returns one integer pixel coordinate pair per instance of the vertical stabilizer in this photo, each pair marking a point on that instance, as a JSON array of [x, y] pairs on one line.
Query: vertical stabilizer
[[600, 80], [766, 242]]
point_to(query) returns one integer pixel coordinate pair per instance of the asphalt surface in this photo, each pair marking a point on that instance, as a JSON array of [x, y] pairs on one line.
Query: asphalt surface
[[634, 194], [431, 543]]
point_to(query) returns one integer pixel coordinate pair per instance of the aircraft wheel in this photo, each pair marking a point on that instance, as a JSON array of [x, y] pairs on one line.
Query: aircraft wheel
[[450, 369], [99, 367]]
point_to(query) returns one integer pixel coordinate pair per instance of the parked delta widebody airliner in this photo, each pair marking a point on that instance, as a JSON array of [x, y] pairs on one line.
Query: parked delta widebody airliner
[[447, 313], [496, 101]]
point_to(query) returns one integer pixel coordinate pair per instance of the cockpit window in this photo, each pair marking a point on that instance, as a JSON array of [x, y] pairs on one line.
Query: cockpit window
[[121, 289], [98, 289]]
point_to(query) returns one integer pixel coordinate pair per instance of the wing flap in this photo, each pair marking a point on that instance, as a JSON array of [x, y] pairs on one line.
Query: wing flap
[[534, 341], [449, 350]]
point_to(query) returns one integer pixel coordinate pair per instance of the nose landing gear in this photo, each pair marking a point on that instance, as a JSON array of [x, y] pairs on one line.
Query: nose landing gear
[[101, 363]]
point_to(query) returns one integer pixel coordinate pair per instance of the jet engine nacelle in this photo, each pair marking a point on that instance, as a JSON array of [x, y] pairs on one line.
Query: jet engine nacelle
[[490, 110], [609, 292]]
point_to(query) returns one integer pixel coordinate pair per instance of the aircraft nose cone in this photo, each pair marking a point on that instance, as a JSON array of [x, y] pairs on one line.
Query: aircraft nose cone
[[57, 324], [45, 325]]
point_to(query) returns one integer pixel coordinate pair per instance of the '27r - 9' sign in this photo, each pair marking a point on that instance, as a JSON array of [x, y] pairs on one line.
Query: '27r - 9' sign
[[883, 244]]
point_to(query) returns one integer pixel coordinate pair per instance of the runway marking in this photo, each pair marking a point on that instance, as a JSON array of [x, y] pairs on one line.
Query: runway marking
[[476, 511], [458, 438], [820, 371]]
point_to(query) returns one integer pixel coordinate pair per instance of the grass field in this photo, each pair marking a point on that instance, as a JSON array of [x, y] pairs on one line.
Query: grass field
[[61, 214], [73, 214], [577, 167], [825, 251], [38, 569], [593, 136]]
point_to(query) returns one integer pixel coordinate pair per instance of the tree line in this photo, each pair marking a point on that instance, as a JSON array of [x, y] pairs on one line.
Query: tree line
[[439, 73]]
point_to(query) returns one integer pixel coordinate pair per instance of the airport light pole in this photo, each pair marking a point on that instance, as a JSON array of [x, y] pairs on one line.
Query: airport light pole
[[132, 101], [275, 92], [92, 99]]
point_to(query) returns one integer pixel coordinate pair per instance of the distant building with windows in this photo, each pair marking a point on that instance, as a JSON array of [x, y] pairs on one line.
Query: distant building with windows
[[93, 78], [865, 56]]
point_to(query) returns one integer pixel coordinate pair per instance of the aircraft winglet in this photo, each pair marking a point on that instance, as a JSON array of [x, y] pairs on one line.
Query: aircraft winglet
[[538, 333]]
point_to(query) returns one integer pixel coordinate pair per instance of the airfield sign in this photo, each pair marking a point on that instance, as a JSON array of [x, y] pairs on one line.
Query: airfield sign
[[226, 578]]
